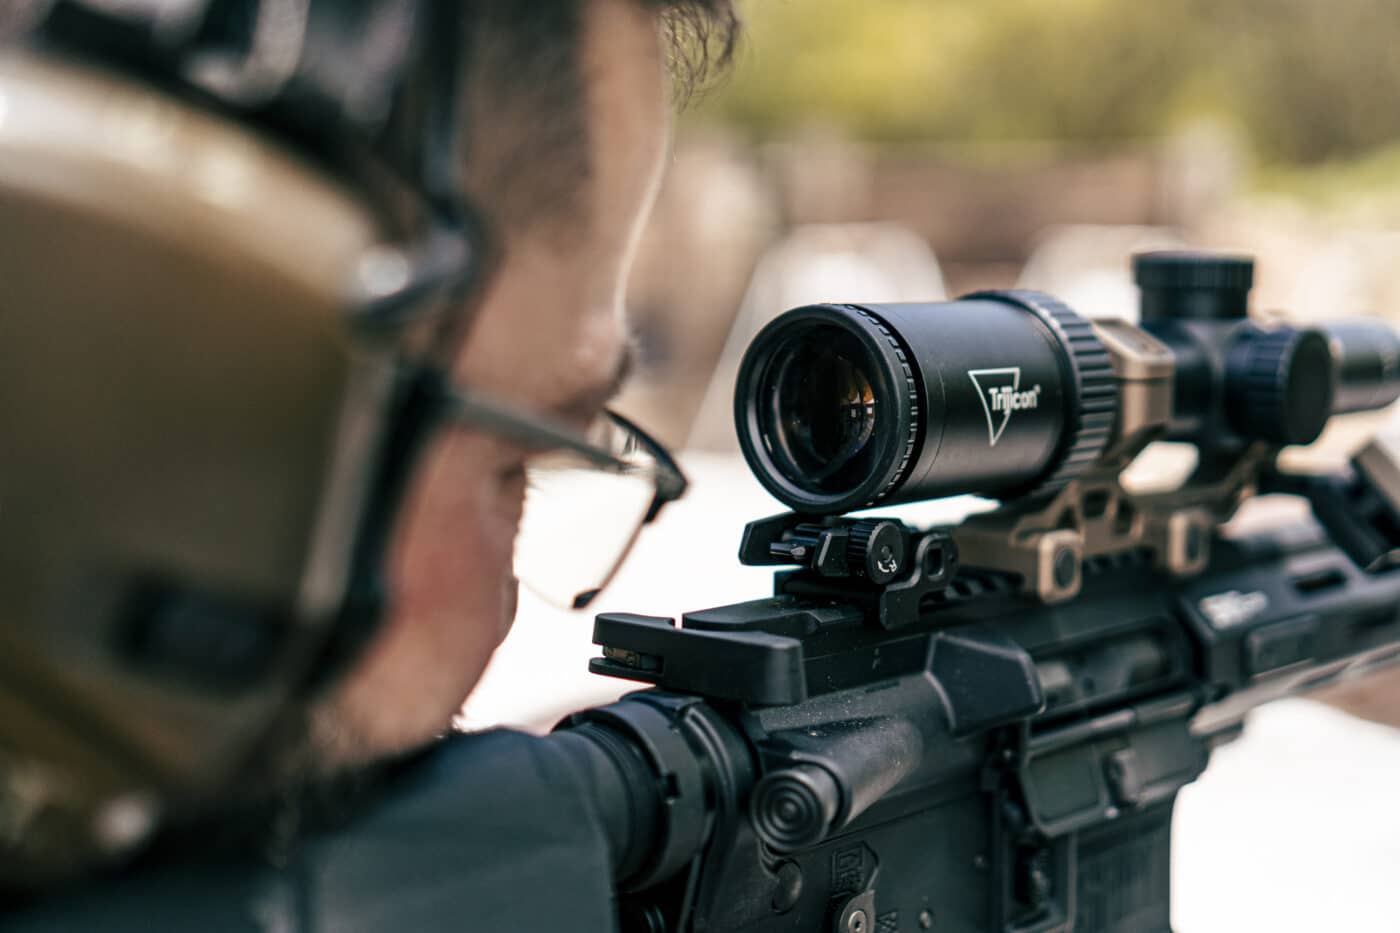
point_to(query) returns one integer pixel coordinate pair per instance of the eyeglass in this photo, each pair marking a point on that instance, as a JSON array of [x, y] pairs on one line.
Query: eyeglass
[[587, 495]]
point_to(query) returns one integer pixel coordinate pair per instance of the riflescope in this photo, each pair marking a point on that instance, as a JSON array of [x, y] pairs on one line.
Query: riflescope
[[1011, 394]]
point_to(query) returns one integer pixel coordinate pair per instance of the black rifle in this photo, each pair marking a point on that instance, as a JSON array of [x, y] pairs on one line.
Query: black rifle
[[984, 727]]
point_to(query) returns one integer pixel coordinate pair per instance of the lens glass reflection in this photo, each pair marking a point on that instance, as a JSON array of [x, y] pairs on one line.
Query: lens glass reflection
[[823, 411]]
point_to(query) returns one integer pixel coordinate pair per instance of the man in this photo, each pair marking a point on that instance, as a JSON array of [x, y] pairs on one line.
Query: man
[[565, 164], [567, 103]]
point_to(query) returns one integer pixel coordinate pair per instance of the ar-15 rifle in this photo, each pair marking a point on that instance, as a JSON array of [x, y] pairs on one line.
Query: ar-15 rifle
[[984, 727]]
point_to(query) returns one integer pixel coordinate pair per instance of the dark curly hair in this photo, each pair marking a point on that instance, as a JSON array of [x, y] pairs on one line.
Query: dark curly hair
[[703, 34]]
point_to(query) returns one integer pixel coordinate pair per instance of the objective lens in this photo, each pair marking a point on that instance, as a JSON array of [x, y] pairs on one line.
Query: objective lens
[[824, 412], [827, 408], [840, 407]]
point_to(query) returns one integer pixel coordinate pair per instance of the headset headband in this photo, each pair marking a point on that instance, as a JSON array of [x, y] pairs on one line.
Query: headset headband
[[369, 89]]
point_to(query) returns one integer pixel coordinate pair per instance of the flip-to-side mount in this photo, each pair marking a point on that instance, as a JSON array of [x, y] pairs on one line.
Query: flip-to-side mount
[[831, 625]]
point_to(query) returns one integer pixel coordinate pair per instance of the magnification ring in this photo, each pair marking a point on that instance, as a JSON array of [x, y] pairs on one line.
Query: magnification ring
[[910, 390], [1092, 391]]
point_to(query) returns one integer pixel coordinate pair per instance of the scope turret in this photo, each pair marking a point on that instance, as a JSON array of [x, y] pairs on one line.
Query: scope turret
[[1204, 286]]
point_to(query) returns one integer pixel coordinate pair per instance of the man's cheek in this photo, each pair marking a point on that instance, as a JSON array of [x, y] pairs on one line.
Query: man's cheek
[[509, 499], [449, 539], [510, 604], [489, 529]]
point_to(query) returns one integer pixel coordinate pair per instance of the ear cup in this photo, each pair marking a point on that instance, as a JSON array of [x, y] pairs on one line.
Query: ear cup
[[185, 417]]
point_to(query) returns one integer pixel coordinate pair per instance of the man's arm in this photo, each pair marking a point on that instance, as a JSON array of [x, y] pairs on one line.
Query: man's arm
[[496, 831]]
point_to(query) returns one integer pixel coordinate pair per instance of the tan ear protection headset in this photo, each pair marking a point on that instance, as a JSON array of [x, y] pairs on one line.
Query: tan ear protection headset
[[233, 258]]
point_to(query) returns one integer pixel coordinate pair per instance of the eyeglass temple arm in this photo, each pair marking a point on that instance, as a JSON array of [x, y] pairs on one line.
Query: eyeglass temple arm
[[671, 482], [471, 407]]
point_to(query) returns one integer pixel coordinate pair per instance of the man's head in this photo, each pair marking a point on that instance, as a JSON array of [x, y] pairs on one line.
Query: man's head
[[567, 122], [193, 422]]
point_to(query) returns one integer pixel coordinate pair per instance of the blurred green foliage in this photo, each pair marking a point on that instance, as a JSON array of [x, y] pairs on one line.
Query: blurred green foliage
[[1304, 80], [1364, 186]]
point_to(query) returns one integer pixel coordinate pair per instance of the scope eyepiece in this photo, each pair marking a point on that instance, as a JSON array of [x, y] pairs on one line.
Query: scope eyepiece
[[1367, 355], [841, 407]]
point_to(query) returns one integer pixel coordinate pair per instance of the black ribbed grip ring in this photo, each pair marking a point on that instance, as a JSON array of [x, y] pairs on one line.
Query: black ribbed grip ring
[[1092, 390]]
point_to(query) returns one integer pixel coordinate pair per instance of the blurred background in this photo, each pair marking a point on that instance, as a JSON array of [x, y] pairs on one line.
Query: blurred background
[[872, 150], [887, 148]]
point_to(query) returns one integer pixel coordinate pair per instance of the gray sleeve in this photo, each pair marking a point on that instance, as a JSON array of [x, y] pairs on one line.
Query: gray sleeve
[[497, 833], [492, 832]]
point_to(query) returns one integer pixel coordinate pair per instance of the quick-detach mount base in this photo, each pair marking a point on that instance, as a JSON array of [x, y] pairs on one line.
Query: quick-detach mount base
[[831, 626], [852, 575]]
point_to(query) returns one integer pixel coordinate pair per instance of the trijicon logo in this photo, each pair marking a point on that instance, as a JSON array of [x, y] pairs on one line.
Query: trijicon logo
[[1000, 392]]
